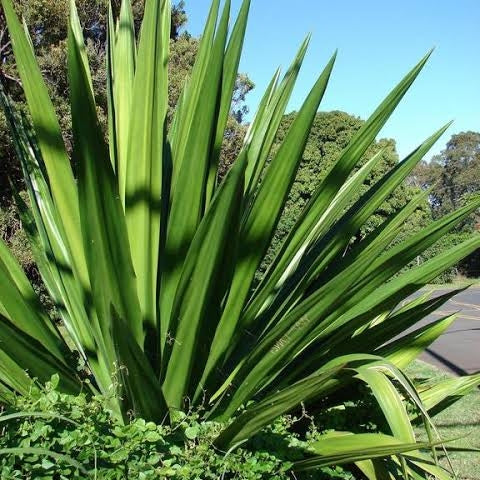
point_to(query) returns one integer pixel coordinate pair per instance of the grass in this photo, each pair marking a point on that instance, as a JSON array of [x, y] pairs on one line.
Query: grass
[[458, 282], [460, 420]]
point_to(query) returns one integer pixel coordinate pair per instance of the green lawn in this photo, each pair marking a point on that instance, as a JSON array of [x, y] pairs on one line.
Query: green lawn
[[460, 420], [457, 283]]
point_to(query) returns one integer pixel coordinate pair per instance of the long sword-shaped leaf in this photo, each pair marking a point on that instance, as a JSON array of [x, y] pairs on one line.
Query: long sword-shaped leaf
[[140, 389], [403, 351], [188, 102], [424, 463], [46, 237], [62, 183], [441, 395], [399, 288], [339, 450], [339, 203], [51, 254], [258, 228], [387, 296], [262, 106], [114, 288], [374, 337], [188, 198], [123, 63], [324, 194], [83, 330], [205, 279], [143, 202], [390, 402], [380, 268], [319, 254], [262, 414], [110, 65], [264, 128], [22, 307], [230, 72], [13, 378], [293, 334], [104, 230], [37, 360]]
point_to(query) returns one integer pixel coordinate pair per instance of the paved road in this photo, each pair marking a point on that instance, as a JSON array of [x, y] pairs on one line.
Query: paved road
[[458, 349]]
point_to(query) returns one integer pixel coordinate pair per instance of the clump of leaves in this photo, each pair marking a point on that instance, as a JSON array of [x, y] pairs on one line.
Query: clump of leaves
[[53, 428]]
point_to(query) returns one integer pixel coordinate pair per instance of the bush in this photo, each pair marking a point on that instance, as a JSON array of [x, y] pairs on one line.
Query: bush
[[141, 450]]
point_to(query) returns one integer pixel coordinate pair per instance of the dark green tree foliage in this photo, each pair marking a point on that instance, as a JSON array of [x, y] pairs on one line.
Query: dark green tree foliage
[[330, 134], [454, 175]]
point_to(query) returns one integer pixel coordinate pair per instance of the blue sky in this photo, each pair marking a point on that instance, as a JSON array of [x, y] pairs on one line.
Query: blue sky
[[378, 41]]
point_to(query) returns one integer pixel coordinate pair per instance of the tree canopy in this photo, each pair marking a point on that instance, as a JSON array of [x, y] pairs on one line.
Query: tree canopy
[[454, 177], [454, 173]]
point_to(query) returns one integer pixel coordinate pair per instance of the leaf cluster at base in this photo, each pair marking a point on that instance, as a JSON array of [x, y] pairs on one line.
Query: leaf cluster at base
[[143, 450]]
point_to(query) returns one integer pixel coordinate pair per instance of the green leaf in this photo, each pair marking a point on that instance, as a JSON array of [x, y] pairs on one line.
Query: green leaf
[[390, 402], [146, 151], [104, 230], [17, 415], [337, 176], [188, 102], [22, 307], [47, 236], [191, 160], [342, 299], [110, 64], [396, 323], [260, 221], [271, 407], [192, 432], [140, 390], [229, 77], [403, 351], [350, 448], [123, 58], [37, 360], [62, 183], [441, 395], [263, 130], [323, 248], [205, 280]]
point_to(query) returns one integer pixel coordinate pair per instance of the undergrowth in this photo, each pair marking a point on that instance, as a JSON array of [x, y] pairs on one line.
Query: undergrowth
[[93, 444]]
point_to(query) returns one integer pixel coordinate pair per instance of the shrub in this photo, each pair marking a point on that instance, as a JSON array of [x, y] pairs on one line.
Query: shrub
[[150, 260], [84, 428]]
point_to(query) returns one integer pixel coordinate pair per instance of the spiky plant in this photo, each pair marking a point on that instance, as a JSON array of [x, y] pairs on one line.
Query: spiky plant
[[150, 260]]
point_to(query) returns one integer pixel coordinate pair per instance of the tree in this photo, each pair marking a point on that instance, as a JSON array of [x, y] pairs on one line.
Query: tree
[[454, 176], [457, 167]]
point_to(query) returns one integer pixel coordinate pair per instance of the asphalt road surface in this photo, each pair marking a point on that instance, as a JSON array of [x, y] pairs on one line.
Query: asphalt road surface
[[458, 349]]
